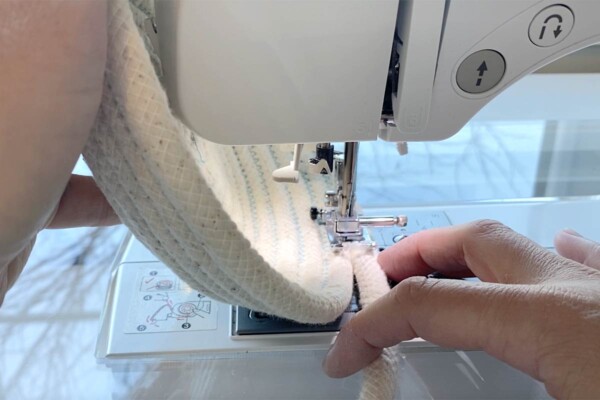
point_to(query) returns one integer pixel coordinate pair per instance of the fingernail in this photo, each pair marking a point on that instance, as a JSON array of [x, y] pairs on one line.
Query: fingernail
[[572, 232]]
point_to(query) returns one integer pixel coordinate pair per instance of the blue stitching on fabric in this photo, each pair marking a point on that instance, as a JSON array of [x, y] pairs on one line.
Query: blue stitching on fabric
[[299, 234], [250, 193]]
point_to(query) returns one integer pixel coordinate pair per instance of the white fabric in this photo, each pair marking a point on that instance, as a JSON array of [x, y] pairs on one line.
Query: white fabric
[[380, 378], [212, 213]]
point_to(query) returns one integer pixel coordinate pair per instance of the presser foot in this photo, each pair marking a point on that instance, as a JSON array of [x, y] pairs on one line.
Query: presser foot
[[341, 230]]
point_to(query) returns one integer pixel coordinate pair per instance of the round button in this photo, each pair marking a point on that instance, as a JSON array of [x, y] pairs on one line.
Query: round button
[[551, 26], [481, 71]]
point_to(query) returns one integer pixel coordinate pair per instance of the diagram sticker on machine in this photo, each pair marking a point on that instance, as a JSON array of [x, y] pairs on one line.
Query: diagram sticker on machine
[[164, 303]]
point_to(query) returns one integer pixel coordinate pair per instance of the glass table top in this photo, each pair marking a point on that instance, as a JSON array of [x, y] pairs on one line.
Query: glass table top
[[509, 151]]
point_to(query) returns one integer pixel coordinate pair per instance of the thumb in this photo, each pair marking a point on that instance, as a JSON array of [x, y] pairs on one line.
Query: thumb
[[572, 245], [495, 318]]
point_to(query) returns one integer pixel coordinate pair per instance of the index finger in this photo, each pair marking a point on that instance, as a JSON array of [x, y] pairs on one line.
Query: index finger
[[487, 249], [454, 314]]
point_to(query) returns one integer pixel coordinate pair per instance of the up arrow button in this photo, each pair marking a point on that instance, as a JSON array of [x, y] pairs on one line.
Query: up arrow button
[[481, 71]]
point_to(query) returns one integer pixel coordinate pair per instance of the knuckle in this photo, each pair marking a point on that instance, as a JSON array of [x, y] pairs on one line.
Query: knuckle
[[411, 290], [489, 227], [501, 238], [357, 331], [593, 254], [595, 247]]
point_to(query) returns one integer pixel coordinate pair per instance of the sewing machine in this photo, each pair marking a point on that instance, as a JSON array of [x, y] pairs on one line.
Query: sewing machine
[[315, 73], [327, 71]]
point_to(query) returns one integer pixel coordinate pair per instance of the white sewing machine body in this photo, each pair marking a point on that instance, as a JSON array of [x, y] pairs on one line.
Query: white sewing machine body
[[317, 71], [326, 71]]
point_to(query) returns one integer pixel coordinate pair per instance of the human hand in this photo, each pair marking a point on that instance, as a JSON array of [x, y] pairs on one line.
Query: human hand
[[535, 310], [52, 58]]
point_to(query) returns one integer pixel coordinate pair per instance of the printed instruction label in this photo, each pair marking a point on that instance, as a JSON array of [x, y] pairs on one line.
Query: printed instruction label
[[164, 303]]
